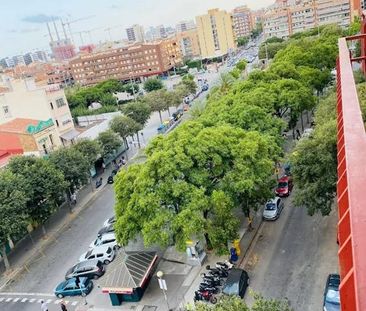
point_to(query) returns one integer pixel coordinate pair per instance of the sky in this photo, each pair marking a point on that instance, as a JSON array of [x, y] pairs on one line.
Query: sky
[[23, 27]]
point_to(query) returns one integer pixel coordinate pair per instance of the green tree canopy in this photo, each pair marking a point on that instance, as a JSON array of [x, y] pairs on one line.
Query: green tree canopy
[[109, 142], [124, 126], [157, 101], [153, 84], [90, 149], [139, 111]]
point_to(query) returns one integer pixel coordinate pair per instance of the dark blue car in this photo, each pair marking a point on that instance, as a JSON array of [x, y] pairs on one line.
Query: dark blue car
[[331, 293], [74, 287]]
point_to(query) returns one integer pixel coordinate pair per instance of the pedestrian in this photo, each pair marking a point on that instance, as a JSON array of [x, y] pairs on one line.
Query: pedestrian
[[63, 305], [123, 161], [298, 134], [103, 166], [73, 198], [44, 306]]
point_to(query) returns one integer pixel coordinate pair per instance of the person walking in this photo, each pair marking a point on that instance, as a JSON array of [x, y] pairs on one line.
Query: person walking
[[63, 305], [73, 198], [44, 306]]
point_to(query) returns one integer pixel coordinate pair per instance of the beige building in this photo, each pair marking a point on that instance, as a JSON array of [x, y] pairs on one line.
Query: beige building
[[285, 18], [189, 43], [135, 33], [242, 21], [124, 63], [24, 99], [215, 33]]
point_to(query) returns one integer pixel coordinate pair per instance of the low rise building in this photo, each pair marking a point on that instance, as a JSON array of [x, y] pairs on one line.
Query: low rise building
[[189, 43], [24, 99], [123, 63]]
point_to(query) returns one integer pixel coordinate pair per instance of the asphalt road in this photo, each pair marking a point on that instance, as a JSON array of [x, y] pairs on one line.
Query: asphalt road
[[293, 257]]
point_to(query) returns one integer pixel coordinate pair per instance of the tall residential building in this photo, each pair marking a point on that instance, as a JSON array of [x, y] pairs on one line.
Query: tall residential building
[[123, 63], [185, 25], [7, 62], [288, 17], [30, 58], [215, 33], [242, 21], [189, 43], [62, 49], [42, 56], [18, 60], [24, 99], [135, 33]]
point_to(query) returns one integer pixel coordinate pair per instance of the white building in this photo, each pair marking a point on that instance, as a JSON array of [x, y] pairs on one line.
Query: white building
[[135, 33]]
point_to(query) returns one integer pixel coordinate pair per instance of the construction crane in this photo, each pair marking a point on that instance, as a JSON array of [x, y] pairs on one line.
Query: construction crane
[[109, 30], [67, 23]]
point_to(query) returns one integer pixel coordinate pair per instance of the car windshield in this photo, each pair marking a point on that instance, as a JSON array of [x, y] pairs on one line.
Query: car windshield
[[88, 253], [282, 184], [97, 241], [270, 207], [109, 250], [332, 296], [231, 289]]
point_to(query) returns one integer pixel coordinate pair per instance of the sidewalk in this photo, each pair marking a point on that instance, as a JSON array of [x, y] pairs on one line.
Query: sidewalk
[[33, 245]]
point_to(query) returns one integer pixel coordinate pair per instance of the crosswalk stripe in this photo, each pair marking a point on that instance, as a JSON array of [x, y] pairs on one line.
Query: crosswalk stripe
[[40, 300], [9, 299], [32, 300], [1, 299], [57, 301], [74, 303], [66, 302], [16, 299], [49, 300], [24, 299]]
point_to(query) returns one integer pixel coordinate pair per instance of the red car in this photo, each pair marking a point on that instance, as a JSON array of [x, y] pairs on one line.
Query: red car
[[284, 186]]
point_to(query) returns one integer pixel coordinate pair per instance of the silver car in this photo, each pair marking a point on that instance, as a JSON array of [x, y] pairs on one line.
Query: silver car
[[273, 209], [103, 253]]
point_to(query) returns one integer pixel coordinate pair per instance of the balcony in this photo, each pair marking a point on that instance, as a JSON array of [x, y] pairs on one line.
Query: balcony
[[351, 197]]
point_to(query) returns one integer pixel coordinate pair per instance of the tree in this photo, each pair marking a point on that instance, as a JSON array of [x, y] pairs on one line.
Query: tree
[[131, 88], [156, 101], [153, 84], [188, 81], [241, 65], [226, 81], [242, 41], [74, 166], [45, 186], [13, 201], [109, 142], [138, 111], [108, 100], [90, 149], [124, 126]]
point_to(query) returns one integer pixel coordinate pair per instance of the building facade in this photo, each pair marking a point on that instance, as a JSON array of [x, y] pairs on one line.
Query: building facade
[[124, 63], [242, 21], [185, 25], [135, 33], [285, 18], [24, 99], [215, 33], [62, 49], [189, 43]]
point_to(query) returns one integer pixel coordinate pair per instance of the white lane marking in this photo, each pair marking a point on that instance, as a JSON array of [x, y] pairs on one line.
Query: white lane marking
[[66, 302], [40, 300], [57, 301], [24, 299], [49, 300], [74, 303], [32, 300], [26, 294], [9, 299], [1, 299], [16, 299]]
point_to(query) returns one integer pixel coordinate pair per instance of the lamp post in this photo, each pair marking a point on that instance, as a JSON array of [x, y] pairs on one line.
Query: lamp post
[[163, 287]]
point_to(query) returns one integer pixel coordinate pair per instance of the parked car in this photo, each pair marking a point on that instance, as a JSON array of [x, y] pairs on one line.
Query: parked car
[[110, 179], [178, 114], [104, 253], [106, 229], [331, 293], [236, 283], [109, 221], [284, 186], [108, 239], [74, 287], [273, 209], [91, 269]]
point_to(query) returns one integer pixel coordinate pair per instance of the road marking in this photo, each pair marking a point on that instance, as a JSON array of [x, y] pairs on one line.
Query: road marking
[[57, 301], [1, 299], [74, 303], [24, 299], [16, 299], [49, 300], [66, 302], [40, 300], [32, 300], [26, 294], [9, 299]]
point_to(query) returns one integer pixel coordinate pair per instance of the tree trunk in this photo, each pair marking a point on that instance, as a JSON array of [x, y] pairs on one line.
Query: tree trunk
[[168, 111], [5, 257], [208, 242], [293, 133], [161, 119], [302, 122], [138, 140], [126, 143], [307, 116]]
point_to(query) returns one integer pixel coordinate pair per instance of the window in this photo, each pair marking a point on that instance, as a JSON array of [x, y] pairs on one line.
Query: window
[[51, 139], [57, 123], [60, 102], [51, 105]]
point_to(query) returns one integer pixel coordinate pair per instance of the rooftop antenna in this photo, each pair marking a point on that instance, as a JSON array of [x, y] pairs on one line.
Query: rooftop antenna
[[49, 32]]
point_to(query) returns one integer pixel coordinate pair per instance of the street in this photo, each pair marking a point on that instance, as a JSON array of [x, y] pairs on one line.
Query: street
[[293, 257]]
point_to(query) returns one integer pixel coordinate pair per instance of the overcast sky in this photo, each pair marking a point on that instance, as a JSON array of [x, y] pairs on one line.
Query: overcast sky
[[23, 25]]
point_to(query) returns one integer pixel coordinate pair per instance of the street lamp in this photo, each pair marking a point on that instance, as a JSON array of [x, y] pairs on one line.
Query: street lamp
[[163, 287]]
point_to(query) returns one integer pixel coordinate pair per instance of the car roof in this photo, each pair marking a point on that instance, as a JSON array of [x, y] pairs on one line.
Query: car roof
[[273, 200], [88, 263], [283, 178], [108, 235], [234, 275], [100, 249]]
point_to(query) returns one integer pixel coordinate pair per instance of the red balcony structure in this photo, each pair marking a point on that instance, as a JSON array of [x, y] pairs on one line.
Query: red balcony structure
[[351, 186]]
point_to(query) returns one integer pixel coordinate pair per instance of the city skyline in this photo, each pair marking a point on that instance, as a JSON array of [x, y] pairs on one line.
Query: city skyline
[[26, 29]]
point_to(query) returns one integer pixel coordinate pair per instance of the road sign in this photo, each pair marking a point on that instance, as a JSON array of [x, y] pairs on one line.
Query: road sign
[[162, 284]]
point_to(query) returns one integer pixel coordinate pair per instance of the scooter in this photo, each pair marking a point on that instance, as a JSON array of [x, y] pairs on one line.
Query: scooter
[[226, 265], [208, 288], [218, 271], [205, 295]]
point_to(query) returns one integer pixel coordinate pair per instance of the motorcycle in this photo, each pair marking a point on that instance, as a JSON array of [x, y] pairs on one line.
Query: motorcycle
[[204, 295], [221, 272], [225, 265]]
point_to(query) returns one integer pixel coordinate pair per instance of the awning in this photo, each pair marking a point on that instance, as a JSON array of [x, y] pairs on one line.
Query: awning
[[70, 135], [128, 271]]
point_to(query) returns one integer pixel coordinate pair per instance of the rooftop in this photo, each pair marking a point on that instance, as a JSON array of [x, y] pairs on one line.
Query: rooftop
[[18, 125]]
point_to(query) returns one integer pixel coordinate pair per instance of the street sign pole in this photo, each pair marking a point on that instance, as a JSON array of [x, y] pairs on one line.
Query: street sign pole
[[163, 287]]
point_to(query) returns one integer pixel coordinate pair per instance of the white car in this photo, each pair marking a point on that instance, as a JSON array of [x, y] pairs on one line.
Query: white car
[[107, 239], [109, 221], [104, 253], [273, 209]]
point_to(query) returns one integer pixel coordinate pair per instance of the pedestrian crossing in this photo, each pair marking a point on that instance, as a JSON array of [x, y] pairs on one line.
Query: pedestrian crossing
[[36, 300]]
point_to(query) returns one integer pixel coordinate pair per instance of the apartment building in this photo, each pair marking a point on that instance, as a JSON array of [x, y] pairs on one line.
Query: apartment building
[[285, 18], [242, 21], [185, 25], [135, 33], [123, 63], [24, 99], [189, 43], [215, 33]]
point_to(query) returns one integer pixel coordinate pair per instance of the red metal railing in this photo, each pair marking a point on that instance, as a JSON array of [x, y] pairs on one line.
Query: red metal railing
[[351, 186]]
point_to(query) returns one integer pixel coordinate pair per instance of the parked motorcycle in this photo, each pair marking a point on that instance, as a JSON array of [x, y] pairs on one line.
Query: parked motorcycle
[[226, 265], [221, 272], [204, 295]]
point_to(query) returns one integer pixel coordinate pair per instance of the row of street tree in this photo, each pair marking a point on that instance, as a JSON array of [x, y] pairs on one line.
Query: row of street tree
[[195, 178]]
